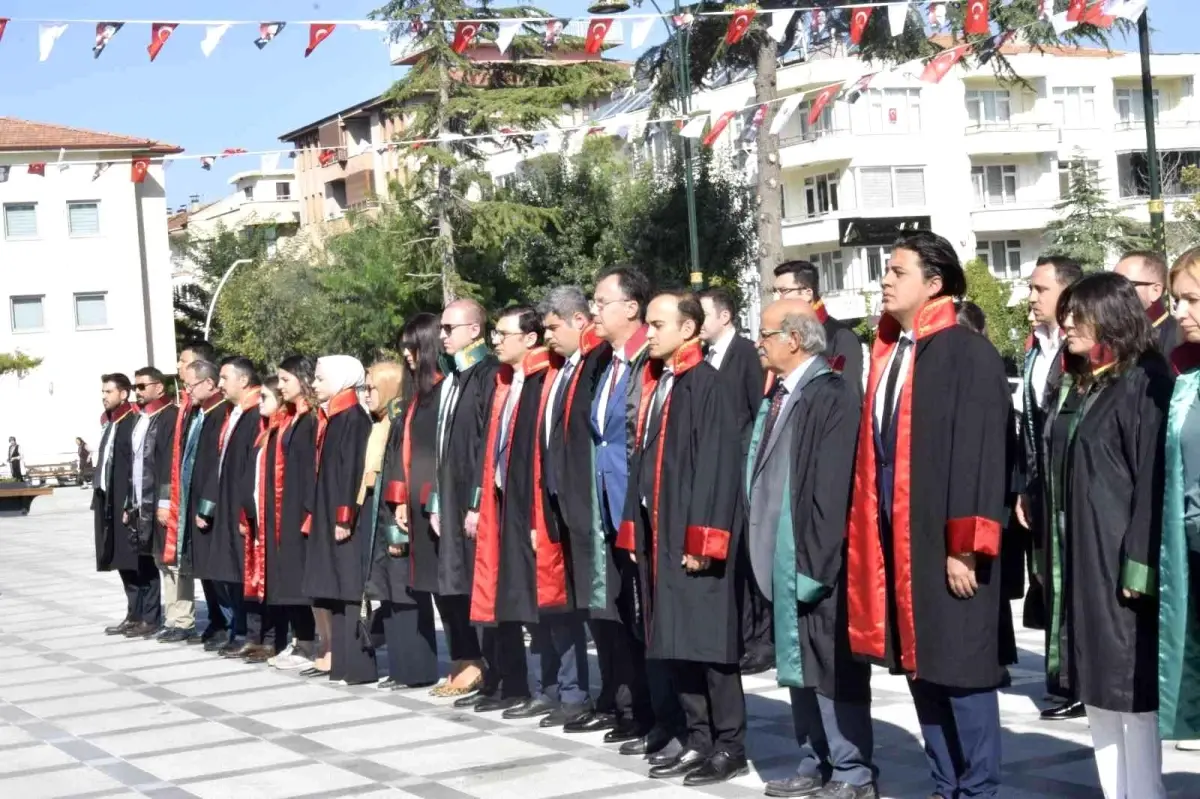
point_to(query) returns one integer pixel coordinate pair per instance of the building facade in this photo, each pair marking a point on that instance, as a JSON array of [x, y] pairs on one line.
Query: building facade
[[86, 276]]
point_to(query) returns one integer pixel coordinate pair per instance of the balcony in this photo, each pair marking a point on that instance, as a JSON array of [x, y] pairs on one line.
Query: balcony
[[816, 147], [1011, 137], [805, 231], [1169, 134], [1033, 215]]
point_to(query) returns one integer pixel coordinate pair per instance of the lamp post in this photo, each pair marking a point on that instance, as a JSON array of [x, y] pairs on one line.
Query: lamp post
[[1158, 233], [212, 304], [682, 36]]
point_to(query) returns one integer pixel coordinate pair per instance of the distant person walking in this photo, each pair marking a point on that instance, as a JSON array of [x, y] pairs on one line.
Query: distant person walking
[[85, 463], [14, 459]]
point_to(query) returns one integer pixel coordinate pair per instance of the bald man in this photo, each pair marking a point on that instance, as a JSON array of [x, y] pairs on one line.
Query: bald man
[[1147, 271], [798, 476]]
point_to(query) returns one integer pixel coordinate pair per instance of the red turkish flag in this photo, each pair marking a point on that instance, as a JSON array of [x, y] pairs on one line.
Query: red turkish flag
[[739, 23], [3, 24], [822, 99], [317, 33], [326, 157], [858, 23], [717, 128], [977, 18], [139, 169], [597, 30], [1075, 10], [464, 34], [936, 69], [38, 169], [1094, 15], [159, 33]]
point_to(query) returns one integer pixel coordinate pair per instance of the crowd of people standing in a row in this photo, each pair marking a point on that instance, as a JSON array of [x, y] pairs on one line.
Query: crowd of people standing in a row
[[627, 465]]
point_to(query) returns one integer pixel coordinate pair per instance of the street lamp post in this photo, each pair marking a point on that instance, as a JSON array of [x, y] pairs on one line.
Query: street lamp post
[[1158, 232], [682, 35], [212, 304]]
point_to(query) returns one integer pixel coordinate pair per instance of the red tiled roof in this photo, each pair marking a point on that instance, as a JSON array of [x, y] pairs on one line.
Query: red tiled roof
[[22, 135], [177, 222]]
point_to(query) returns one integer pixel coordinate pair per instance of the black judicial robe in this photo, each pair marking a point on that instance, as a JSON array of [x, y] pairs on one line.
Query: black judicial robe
[[114, 549], [332, 569], [946, 497], [156, 474], [1166, 328], [689, 473], [1102, 649], [458, 474], [202, 490], [390, 577], [409, 473], [576, 512], [843, 349], [289, 481], [742, 369], [219, 549]]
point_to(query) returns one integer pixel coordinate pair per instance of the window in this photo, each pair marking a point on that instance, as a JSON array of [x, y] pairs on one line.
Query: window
[[1064, 174], [824, 123], [1131, 106], [889, 111], [1075, 106], [821, 194], [994, 185], [1003, 257], [833, 272], [248, 191], [271, 237], [91, 310], [27, 314], [83, 219], [892, 187], [20, 220], [283, 191], [876, 258], [989, 108]]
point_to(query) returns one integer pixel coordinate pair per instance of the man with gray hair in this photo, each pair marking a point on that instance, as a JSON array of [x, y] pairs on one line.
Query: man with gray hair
[[798, 476]]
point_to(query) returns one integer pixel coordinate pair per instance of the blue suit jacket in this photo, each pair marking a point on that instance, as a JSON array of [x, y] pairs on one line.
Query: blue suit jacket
[[612, 457]]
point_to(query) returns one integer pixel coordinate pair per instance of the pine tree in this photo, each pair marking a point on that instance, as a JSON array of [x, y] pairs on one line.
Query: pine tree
[[448, 94], [1089, 228]]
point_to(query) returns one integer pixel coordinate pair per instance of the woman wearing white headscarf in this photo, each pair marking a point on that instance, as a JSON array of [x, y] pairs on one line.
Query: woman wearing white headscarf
[[334, 563]]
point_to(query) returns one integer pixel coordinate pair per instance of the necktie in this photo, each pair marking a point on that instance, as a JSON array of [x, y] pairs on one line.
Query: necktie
[[656, 405], [564, 387], [769, 425], [711, 355], [889, 391]]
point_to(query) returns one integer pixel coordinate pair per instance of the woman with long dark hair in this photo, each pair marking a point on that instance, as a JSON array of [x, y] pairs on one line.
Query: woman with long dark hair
[[1104, 481]]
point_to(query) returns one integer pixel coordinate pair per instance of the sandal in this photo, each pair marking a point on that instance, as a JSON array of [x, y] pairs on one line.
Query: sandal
[[448, 689]]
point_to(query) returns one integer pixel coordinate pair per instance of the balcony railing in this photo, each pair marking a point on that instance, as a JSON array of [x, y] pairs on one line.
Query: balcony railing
[[1009, 127], [813, 135], [1159, 124]]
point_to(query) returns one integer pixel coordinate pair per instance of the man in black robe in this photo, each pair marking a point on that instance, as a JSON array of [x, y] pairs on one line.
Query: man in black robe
[[464, 399], [14, 460], [116, 541], [798, 479], [681, 525], [736, 359], [1147, 271], [930, 479], [801, 280]]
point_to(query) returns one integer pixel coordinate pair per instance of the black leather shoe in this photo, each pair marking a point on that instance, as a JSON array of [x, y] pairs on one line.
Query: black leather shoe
[[844, 790], [490, 704], [194, 638], [751, 664], [794, 787], [232, 646], [118, 629], [531, 709], [688, 761], [142, 629], [625, 730], [563, 715], [591, 722], [215, 641], [470, 700], [165, 632], [313, 671], [719, 767], [651, 743], [666, 755], [1068, 710]]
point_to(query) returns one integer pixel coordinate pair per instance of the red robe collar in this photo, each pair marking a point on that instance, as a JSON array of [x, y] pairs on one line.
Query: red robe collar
[[344, 400], [820, 312], [588, 340], [1157, 313], [935, 316], [1185, 357], [1101, 359], [212, 402], [252, 399], [636, 343], [118, 413], [684, 358], [154, 406]]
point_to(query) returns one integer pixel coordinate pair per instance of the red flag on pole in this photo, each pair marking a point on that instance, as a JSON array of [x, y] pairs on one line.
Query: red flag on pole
[[3, 24], [38, 169], [977, 18], [936, 69], [159, 33], [138, 171], [1075, 10], [822, 99], [717, 128], [326, 157], [317, 33], [597, 31], [739, 23], [858, 23], [464, 34]]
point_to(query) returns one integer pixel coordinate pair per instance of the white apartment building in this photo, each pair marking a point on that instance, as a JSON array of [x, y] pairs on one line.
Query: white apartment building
[[86, 280]]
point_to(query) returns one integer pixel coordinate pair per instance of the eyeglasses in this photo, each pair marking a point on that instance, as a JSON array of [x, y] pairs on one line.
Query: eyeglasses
[[783, 292], [144, 386], [765, 334], [1138, 284], [499, 335], [599, 305], [449, 329], [190, 386]]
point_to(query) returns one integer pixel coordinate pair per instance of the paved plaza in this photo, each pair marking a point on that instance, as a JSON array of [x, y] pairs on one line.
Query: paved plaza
[[86, 715]]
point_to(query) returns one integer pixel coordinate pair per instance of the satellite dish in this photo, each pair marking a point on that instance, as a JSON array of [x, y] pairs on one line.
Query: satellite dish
[[610, 7]]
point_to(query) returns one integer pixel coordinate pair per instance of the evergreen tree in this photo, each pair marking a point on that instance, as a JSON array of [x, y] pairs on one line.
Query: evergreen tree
[[1007, 325], [1089, 228]]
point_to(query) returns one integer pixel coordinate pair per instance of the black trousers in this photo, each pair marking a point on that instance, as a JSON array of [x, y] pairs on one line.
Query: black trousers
[[624, 689], [507, 675], [714, 705], [462, 639], [143, 592], [352, 659], [299, 620], [266, 625], [758, 633], [411, 641]]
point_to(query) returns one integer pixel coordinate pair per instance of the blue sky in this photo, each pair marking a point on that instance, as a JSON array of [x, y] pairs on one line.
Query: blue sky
[[240, 96]]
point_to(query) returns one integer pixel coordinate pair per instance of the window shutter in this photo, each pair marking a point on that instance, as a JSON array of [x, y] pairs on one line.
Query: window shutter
[[876, 185], [20, 221], [84, 219], [91, 310], [910, 187]]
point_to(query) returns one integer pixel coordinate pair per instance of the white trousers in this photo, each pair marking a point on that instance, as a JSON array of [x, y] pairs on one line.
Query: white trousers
[[1128, 754]]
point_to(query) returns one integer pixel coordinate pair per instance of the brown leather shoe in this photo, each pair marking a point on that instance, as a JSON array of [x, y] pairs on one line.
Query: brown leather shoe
[[260, 654], [236, 650]]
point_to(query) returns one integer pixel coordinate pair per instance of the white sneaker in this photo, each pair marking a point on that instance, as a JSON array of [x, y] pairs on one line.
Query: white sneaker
[[293, 659], [286, 652], [1188, 746]]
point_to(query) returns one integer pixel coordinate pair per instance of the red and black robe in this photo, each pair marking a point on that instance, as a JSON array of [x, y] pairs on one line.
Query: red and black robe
[[947, 497], [115, 550], [683, 499], [409, 474], [287, 486], [843, 350], [513, 579]]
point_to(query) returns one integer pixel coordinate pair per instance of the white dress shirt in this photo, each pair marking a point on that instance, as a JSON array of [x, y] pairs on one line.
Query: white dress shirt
[[234, 415], [106, 451], [559, 384], [618, 366], [140, 428], [718, 349], [905, 365], [1048, 344]]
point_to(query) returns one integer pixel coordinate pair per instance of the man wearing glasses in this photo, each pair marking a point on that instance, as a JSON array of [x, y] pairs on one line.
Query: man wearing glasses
[[799, 280], [1147, 271]]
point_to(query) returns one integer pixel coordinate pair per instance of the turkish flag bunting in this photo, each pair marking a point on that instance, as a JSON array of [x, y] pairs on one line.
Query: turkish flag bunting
[[38, 168], [936, 69], [317, 33], [1094, 15], [739, 23], [138, 172], [464, 34], [3, 24], [159, 33], [1075, 10], [597, 31], [821, 100], [858, 23], [327, 157], [717, 128], [977, 18]]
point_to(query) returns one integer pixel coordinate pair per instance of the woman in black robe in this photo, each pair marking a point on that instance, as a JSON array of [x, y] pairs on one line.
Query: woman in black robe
[[1105, 480], [334, 567]]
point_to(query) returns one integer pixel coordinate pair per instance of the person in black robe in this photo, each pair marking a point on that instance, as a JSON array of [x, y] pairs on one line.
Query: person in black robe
[[261, 521], [736, 359], [1147, 271], [219, 544], [683, 517], [798, 477], [336, 560], [14, 460], [464, 398], [1104, 472], [286, 485], [923, 570], [407, 617], [84, 458], [116, 542], [801, 280]]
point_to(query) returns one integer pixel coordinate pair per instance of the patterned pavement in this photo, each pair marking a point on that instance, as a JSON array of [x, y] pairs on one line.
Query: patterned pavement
[[84, 715]]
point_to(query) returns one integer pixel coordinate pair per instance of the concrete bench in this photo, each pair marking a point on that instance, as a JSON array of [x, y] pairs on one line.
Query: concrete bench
[[15, 498]]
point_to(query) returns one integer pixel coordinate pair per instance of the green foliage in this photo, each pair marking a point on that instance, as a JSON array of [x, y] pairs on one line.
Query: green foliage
[[209, 259], [1089, 227], [1007, 325], [1183, 229], [17, 363]]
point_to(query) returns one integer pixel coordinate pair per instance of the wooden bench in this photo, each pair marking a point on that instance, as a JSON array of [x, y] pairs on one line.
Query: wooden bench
[[15, 498]]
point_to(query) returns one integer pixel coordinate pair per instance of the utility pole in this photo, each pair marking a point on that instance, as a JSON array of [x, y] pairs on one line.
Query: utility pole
[[1158, 232], [682, 37]]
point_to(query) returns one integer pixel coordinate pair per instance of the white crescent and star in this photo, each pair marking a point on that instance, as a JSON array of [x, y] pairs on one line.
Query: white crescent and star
[[469, 31], [740, 23], [860, 19], [320, 33], [164, 32], [977, 9]]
